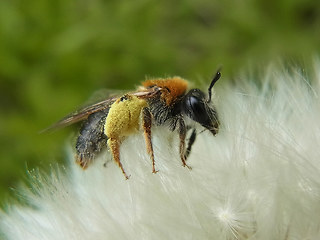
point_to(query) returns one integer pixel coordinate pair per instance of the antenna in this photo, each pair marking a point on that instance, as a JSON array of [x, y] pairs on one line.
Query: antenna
[[214, 80]]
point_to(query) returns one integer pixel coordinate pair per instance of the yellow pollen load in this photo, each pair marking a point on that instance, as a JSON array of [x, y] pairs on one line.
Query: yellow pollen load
[[124, 116]]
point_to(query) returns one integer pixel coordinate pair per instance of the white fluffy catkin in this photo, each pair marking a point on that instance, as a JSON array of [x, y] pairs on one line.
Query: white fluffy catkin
[[259, 178]]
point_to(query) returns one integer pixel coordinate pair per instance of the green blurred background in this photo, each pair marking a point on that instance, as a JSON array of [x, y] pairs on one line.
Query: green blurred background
[[55, 53]]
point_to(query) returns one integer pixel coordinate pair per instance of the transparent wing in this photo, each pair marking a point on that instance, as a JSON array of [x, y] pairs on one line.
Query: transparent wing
[[83, 113], [103, 94]]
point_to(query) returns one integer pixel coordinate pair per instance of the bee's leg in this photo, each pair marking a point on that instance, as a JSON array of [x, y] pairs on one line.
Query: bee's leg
[[190, 143], [114, 145], [147, 135], [182, 134]]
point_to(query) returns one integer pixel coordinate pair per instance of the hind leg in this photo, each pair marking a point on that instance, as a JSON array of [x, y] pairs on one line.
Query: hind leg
[[114, 145]]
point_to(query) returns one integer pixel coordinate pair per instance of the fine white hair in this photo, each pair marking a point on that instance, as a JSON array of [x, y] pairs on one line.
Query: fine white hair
[[258, 178]]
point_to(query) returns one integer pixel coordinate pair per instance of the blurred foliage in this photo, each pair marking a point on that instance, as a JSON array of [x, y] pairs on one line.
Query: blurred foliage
[[55, 53]]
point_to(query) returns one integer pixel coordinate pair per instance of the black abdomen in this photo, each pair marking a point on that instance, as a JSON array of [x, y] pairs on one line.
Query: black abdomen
[[92, 138]]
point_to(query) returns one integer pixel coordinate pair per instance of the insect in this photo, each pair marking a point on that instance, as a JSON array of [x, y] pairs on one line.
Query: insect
[[157, 102]]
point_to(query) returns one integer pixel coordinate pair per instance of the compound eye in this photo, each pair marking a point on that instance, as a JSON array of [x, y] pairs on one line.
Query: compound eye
[[197, 108]]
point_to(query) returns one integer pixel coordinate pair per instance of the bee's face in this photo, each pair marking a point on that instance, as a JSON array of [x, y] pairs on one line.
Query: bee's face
[[195, 106]]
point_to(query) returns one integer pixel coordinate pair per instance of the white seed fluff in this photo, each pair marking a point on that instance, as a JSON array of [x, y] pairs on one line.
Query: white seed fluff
[[259, 178]]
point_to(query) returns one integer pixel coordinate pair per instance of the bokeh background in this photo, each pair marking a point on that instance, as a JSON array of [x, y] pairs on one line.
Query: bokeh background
[[55, 53]]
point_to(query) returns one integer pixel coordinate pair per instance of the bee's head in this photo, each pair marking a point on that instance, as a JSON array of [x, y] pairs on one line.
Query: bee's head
[[196, 106]]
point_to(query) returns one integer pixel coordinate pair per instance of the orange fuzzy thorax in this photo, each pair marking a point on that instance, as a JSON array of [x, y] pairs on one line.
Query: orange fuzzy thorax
[[172, 88]]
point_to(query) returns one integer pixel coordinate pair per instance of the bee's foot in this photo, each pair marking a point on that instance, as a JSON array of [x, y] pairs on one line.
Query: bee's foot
[[186, 165], [155, 171], [126, 176]]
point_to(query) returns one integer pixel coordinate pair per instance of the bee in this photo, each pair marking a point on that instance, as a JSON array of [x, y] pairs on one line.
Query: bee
[[163, 102]]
